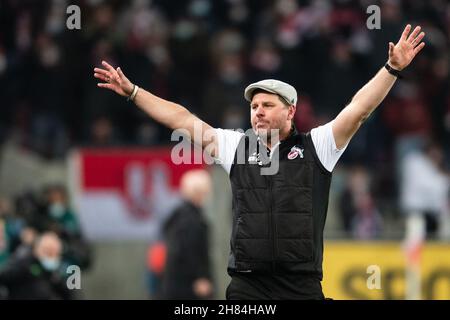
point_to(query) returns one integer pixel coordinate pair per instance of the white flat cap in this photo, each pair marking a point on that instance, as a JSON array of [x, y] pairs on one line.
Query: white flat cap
[[286, 91]]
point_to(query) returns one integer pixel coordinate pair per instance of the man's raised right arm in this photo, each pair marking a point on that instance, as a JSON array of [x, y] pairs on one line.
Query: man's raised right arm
[[169, 114]]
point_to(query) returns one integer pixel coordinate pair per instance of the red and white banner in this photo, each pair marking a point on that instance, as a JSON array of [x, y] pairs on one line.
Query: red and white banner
[[124, 193]]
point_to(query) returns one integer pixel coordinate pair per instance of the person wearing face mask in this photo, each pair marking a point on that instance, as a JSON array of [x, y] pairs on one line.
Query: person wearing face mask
[[57, 216], [37, 274], [61, 218]]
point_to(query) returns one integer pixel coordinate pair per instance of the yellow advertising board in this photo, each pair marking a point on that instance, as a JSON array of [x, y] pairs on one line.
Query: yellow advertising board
[[351, 270]]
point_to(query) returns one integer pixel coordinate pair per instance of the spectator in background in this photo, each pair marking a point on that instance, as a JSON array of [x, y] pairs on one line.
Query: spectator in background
[[4, 250], [410, 133], [27, 237], [48, 132], [4, 239], [223, 91], [305, 118], [156, 261], [102, 133], [55, 215], [36, 274], [360, 216], [10, 230], [425, 187], [187, 274]]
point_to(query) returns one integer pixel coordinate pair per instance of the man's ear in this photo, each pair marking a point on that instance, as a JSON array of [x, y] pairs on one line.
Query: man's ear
[[292, 110]]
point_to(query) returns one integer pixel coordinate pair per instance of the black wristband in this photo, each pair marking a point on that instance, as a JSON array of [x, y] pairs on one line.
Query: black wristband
[[393, 71]]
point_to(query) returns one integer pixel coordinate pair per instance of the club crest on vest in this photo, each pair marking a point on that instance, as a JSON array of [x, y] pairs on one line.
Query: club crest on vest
[[295, 152]]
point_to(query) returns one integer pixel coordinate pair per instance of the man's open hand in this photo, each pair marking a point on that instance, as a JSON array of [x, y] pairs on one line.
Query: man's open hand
[[113, 79], [402, 53]]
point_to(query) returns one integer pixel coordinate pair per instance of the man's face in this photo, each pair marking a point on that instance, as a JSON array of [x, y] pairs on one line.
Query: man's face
[[268, 112], [56, 196], [49, 246]]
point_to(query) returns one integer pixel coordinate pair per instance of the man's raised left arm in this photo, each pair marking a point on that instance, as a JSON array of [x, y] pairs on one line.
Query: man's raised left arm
[[367, 99]]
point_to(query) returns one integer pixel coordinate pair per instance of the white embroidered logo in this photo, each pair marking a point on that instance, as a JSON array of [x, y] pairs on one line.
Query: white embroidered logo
[[253, 157]]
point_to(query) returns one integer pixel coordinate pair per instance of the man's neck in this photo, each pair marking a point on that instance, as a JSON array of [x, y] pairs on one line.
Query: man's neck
[[273, 141]]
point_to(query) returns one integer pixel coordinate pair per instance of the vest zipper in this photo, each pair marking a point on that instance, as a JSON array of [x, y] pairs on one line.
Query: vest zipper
[[272, 229]]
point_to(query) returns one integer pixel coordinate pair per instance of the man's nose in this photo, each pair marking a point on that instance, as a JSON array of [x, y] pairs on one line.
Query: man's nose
[[260, 111]]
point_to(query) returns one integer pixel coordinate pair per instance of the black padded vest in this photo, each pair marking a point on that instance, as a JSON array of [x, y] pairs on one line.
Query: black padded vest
[[278, 220]]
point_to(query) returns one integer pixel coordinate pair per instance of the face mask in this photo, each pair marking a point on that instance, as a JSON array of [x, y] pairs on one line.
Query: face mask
[[199, 8], [50, 264], [57, 210]]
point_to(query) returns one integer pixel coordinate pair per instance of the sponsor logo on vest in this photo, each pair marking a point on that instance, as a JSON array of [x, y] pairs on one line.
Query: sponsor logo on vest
[[295, 152], [253, 158]]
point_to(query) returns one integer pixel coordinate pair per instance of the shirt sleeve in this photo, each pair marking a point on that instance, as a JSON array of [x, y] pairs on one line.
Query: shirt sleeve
[[228, 141], [325, 145]]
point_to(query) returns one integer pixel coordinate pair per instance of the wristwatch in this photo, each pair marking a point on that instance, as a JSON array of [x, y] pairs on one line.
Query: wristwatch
[[393, 71]]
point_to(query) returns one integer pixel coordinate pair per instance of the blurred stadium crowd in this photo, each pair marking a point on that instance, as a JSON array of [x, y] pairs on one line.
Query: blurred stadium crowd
[[202, 54]]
